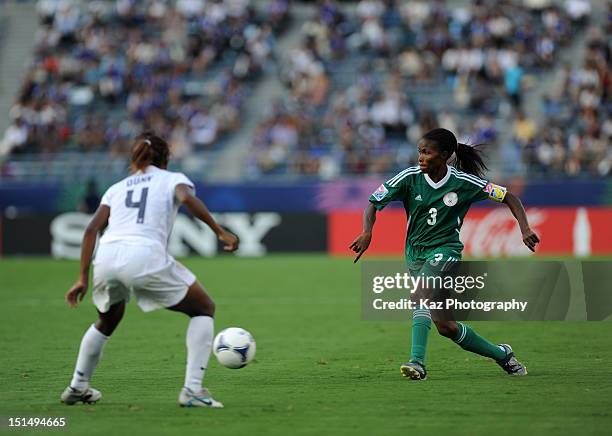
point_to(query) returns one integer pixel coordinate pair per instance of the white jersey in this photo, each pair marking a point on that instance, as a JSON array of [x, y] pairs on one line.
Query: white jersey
[[143, 207]]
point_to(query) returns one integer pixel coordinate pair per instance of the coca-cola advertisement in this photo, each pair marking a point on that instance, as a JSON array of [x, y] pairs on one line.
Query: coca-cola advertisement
[[489, 232]]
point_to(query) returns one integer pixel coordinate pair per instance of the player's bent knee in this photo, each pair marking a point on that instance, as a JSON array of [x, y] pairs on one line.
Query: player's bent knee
[[106, 327], [108, 321], [207, 308], [211, 308], [447, 329], [204, 305]]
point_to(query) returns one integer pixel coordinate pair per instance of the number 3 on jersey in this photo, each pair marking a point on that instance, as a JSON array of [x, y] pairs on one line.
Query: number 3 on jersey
[[141, 204], [432, 216]]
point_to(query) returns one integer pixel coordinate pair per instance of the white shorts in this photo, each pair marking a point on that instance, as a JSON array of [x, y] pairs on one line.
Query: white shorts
[[155, 278]]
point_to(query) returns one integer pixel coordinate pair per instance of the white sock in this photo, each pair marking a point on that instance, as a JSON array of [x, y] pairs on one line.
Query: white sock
[[199, 344], [89, 355]]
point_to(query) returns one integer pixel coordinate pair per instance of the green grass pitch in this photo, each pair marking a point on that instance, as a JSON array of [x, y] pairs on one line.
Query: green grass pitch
[[319, 369]]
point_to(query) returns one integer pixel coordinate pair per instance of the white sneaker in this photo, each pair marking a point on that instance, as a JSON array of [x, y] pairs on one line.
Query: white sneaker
[[188, 398], [88, 396]]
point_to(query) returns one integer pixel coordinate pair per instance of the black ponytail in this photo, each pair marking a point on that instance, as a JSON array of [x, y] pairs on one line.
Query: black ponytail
[[468, 158]]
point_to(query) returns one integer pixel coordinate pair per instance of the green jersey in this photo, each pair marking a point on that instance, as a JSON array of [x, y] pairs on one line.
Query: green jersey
[[435, 210]]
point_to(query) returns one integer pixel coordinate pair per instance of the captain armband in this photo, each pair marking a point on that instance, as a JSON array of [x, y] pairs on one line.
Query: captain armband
[[496, 192]]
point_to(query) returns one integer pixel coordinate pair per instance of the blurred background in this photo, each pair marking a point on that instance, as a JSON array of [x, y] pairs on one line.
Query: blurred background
[[287, 114]]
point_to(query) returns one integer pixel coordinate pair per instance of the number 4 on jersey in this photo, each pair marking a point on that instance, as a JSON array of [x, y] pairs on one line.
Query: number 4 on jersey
[[141, 205]]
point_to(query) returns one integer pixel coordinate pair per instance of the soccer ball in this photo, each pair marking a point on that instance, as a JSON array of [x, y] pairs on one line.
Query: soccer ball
[[234, 347]]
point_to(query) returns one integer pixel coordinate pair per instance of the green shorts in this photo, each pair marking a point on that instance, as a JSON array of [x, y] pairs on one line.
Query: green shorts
[[434, 261]]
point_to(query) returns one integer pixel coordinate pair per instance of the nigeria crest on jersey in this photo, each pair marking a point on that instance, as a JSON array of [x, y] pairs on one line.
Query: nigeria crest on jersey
[[450, 198]]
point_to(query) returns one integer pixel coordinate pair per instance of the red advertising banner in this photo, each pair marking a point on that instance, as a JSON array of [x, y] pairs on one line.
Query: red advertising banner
[[489, 232]]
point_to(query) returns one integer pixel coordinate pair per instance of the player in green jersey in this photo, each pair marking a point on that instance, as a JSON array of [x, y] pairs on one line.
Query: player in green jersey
[[436, 197]]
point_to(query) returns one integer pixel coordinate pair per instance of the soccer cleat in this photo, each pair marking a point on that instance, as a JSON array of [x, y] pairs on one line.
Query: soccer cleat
[[71, 396], [188, 398], [414, 371], [510, 364]]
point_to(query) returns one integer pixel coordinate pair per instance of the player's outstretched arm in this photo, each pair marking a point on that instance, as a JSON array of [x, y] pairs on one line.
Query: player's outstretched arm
[[516, 207], [197, 207], [362, 242], [99, 221]]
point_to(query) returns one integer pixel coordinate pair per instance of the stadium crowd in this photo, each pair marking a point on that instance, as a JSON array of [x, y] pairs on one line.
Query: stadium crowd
[[577, 115], [364, 81], [481, 55], [104, 71]]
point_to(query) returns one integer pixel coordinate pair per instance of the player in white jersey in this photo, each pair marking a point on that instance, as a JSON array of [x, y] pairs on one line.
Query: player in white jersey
[[132, 259]]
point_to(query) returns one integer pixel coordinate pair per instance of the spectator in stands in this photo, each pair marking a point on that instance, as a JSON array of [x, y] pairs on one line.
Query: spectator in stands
[[524, 129], [15, 137], [579, 11], [513, 77]]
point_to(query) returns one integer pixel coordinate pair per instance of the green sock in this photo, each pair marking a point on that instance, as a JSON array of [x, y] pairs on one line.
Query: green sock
[[469, 340], [421, 324]]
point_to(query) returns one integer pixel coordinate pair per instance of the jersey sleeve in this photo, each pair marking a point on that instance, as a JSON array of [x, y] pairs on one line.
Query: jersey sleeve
[[491, 191], [106, 198], [180, 179], [393, 189]]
